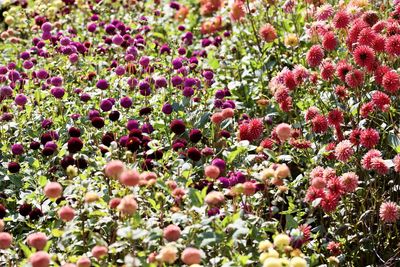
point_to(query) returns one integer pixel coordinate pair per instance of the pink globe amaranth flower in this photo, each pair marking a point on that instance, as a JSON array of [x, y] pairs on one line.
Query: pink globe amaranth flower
[[83, 262], [349, 181], [283, 131], [114, 169], [214, 198], [268, 33], [191, 256], [99, 251], [5, 240], [128, 205], [396, 162], [39, 259], [369, 138], [129, 177], [37, 240], [212, 171], [228, 113], [249, 188], [315, 56], [389, 212], [53, 190], [217, 118], [66, 213], [172, 233], [344, 150]]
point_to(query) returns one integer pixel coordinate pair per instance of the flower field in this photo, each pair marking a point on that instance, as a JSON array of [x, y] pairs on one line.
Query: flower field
[[200, 133]]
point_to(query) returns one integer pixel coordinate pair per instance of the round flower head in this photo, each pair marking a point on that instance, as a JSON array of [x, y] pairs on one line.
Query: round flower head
[[315, 56], [66, 213], [389, 212], [349, 181], [344, 150], [268, 33], [369, 138], [99, 251], [37, 240], [364, 56], [53, 190], [391, 82], [396, 162], [168, 254], [5, 240], [191, 256], [39, 259], [172, 233]]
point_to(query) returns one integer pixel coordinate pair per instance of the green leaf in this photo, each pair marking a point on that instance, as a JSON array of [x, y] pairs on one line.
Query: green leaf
[[25, 249], [212, 61], [394, 142], [57, 233], [42, 180], [290, 222]]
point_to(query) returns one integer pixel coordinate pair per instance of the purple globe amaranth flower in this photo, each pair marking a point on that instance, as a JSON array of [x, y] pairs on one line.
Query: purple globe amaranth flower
[[27, 64], [132, 124], [73, 58], [181, 51], [46, 123], [51, 145], [25, 55], [3, 70], [46, 27], [56, 81], [209, 75], [177, 63], [85, 97], [126, 102], [93, 114], [20, 100], [92, 27], [65, 41], [14, 75], [164, 49], [42, 74], [106, 105], [144, 61], [6, 91], [167, 108], [189, 82], [188, 91], [132, 82], [219, 94], [161, 82], [147, 128], [57, 92], [102, 84], [17, 149], [176, 80], [123, 140], [114, 115], [177, 126], [224, 182], [120, 70], [220, 163], [213, 211], [117, 39], [46, 35]]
